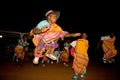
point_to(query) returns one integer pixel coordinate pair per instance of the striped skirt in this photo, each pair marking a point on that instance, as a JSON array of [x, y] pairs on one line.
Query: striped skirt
[[80, 63]]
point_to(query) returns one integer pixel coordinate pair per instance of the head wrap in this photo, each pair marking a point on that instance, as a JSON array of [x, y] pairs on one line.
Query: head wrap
[[42, 24]]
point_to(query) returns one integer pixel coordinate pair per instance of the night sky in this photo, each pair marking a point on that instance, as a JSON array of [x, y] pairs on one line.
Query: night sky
[[95, 18], [22, 15]]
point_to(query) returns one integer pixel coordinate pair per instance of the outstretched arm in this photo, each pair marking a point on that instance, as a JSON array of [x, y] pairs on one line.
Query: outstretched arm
[[72, 34]]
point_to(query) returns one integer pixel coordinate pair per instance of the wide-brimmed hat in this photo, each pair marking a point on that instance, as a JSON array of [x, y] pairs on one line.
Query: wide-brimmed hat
[[52, 11]]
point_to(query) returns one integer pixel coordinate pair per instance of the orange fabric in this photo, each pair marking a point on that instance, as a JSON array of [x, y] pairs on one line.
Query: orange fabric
[[52, 34], [36, 39], [109, 48], [79, 63], [19, 51], [81, 59], [64, 56], [81, 46]]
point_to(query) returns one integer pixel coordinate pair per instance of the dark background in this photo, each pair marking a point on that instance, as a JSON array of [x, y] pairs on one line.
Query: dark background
[[87, 16], [96, 18]]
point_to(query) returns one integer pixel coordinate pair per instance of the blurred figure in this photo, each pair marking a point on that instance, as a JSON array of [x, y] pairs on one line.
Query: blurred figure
[[65, 53], [109, 48], [64, 57], [81, 58], [46, 36], [21, 49], [57, 54], [72, 49], [67, 45]]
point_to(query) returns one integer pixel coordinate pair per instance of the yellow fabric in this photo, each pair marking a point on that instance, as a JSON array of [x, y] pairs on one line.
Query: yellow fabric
[[81, 46], [64, 56], [110, 45], [52, 34], [19, 51], [74, 55], [81, 56], [36, 39], [54, 27]]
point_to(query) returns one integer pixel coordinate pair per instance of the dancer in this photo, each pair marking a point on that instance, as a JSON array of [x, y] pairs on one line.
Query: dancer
[[72, 49], [109, 48], [46, 39], [20, 49], [64, 57], [81, 58]]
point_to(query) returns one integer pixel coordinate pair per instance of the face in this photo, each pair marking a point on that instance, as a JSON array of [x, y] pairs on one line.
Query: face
[[52, 18], [84, 35]]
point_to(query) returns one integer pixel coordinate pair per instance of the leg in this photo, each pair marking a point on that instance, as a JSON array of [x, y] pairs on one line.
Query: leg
[[44, 60], [50, 54]]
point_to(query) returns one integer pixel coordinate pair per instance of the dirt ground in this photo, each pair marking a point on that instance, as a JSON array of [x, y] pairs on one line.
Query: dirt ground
[[56, 71]]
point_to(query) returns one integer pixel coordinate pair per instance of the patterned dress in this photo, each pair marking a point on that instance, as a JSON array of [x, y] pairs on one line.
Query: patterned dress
[[81, 58]]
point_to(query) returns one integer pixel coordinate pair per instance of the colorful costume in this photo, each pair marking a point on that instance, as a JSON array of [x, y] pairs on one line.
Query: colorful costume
[[81, 58], [65, 53], [20, 50], [109, 49], [47, 38], [47, 41], [64, 56], [72, 49]]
